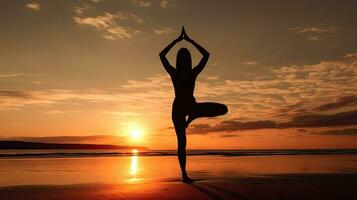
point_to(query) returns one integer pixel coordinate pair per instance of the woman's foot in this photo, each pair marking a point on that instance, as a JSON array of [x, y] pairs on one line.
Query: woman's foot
[[186, 179]]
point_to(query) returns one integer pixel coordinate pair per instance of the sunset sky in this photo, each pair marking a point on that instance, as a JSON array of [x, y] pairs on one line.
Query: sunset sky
[[89, 71]]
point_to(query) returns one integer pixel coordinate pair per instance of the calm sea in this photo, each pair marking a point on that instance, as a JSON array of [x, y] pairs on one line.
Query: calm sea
[[33, 167], [130, 152]]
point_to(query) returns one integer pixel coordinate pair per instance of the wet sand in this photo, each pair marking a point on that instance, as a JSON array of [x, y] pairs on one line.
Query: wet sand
[[218, 177], [313, 186]]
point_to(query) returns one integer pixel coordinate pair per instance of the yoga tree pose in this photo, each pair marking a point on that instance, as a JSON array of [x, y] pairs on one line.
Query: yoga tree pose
[[183, 78]]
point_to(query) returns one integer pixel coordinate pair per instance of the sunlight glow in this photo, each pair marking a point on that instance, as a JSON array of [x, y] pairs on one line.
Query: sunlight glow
[[135, 134], [135, 151]]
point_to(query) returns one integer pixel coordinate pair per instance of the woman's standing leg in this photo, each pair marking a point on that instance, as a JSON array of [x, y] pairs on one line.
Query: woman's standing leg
[[179, 121]]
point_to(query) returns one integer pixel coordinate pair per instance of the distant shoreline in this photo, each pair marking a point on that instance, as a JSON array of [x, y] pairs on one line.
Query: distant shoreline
[[68, 153], [12, 145]]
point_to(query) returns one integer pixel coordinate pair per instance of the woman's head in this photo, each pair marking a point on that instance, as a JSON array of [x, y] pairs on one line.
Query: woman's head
[[183, 60]]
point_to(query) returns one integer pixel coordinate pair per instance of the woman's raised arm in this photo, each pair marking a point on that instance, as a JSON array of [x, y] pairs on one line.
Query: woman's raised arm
[[169, 68], [204, 53]]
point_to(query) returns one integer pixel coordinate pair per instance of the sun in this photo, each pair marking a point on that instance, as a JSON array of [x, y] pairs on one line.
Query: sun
[[135, 134]]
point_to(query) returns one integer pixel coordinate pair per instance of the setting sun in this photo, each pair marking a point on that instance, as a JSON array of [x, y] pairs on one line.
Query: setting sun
[[135, 134]]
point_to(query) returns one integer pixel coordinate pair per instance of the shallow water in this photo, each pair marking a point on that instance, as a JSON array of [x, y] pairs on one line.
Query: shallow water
[[133, 169]]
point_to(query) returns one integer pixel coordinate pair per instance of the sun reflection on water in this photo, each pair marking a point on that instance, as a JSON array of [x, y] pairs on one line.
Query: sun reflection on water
[[134, 166]]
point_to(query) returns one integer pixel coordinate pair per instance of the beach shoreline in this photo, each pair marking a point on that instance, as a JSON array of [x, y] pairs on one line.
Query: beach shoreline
[[288, 186], [158, 177]]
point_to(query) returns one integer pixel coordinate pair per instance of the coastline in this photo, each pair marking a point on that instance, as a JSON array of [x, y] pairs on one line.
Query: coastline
[[292, 186]]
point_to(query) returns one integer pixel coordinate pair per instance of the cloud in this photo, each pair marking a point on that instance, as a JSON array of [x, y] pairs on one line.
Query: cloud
[[314, 29], [351, 131], [126, 99], [313, 38], [11, 75], [108, 24], [37, 82], [215, 64], [340, 102], [350, 55], [300, 121], [163, 30], [229, 135], [250, 62], [231, 126], [167, 3], [142, 3], [313, 33], [212, 77], [80, 10], [289, 91], [61, 111], [320, 120], [33, 6], [136, 18], [301, 130], [100, 22], [99, 139], [14, 98], [17, 75], [15, 94]]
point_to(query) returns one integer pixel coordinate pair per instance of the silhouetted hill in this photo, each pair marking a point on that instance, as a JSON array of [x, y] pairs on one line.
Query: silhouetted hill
[[39, 145]]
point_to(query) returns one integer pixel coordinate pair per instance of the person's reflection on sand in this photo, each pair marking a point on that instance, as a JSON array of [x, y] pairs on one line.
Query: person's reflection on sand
[[184, 78]]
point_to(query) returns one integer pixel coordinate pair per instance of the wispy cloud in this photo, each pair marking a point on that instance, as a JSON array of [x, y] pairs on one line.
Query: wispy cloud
[[61, 111], [107, 139], [108, 24], [350, 131], [167, 3], [136, 18], [37, 82], [33, 6], [299, 121], [250, 62], [14, 75], [340, 102], [312, 38], [142, 3], [291, 90], [80, 10], [318, 92], [314, 29], [313, 33], [163, 30], [10, 99], [15, 94], [11, 75]]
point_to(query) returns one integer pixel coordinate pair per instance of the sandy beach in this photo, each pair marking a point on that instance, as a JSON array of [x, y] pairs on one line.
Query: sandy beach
[[315, 186], [157, 177]]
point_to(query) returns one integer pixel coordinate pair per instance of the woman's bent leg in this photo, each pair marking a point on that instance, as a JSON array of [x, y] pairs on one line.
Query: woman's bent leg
[[206, 110]]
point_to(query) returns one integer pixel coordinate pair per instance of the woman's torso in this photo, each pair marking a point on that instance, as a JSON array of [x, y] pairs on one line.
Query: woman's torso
[[184, 86]]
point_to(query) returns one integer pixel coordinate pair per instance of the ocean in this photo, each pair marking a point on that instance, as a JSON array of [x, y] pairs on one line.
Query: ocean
[[63, 167], [62, 153]]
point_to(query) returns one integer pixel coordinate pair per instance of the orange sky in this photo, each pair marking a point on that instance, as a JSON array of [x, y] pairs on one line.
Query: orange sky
[[89, 71]]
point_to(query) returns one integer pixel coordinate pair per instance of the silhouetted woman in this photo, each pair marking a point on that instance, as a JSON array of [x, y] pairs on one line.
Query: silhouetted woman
[[183, 78]]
